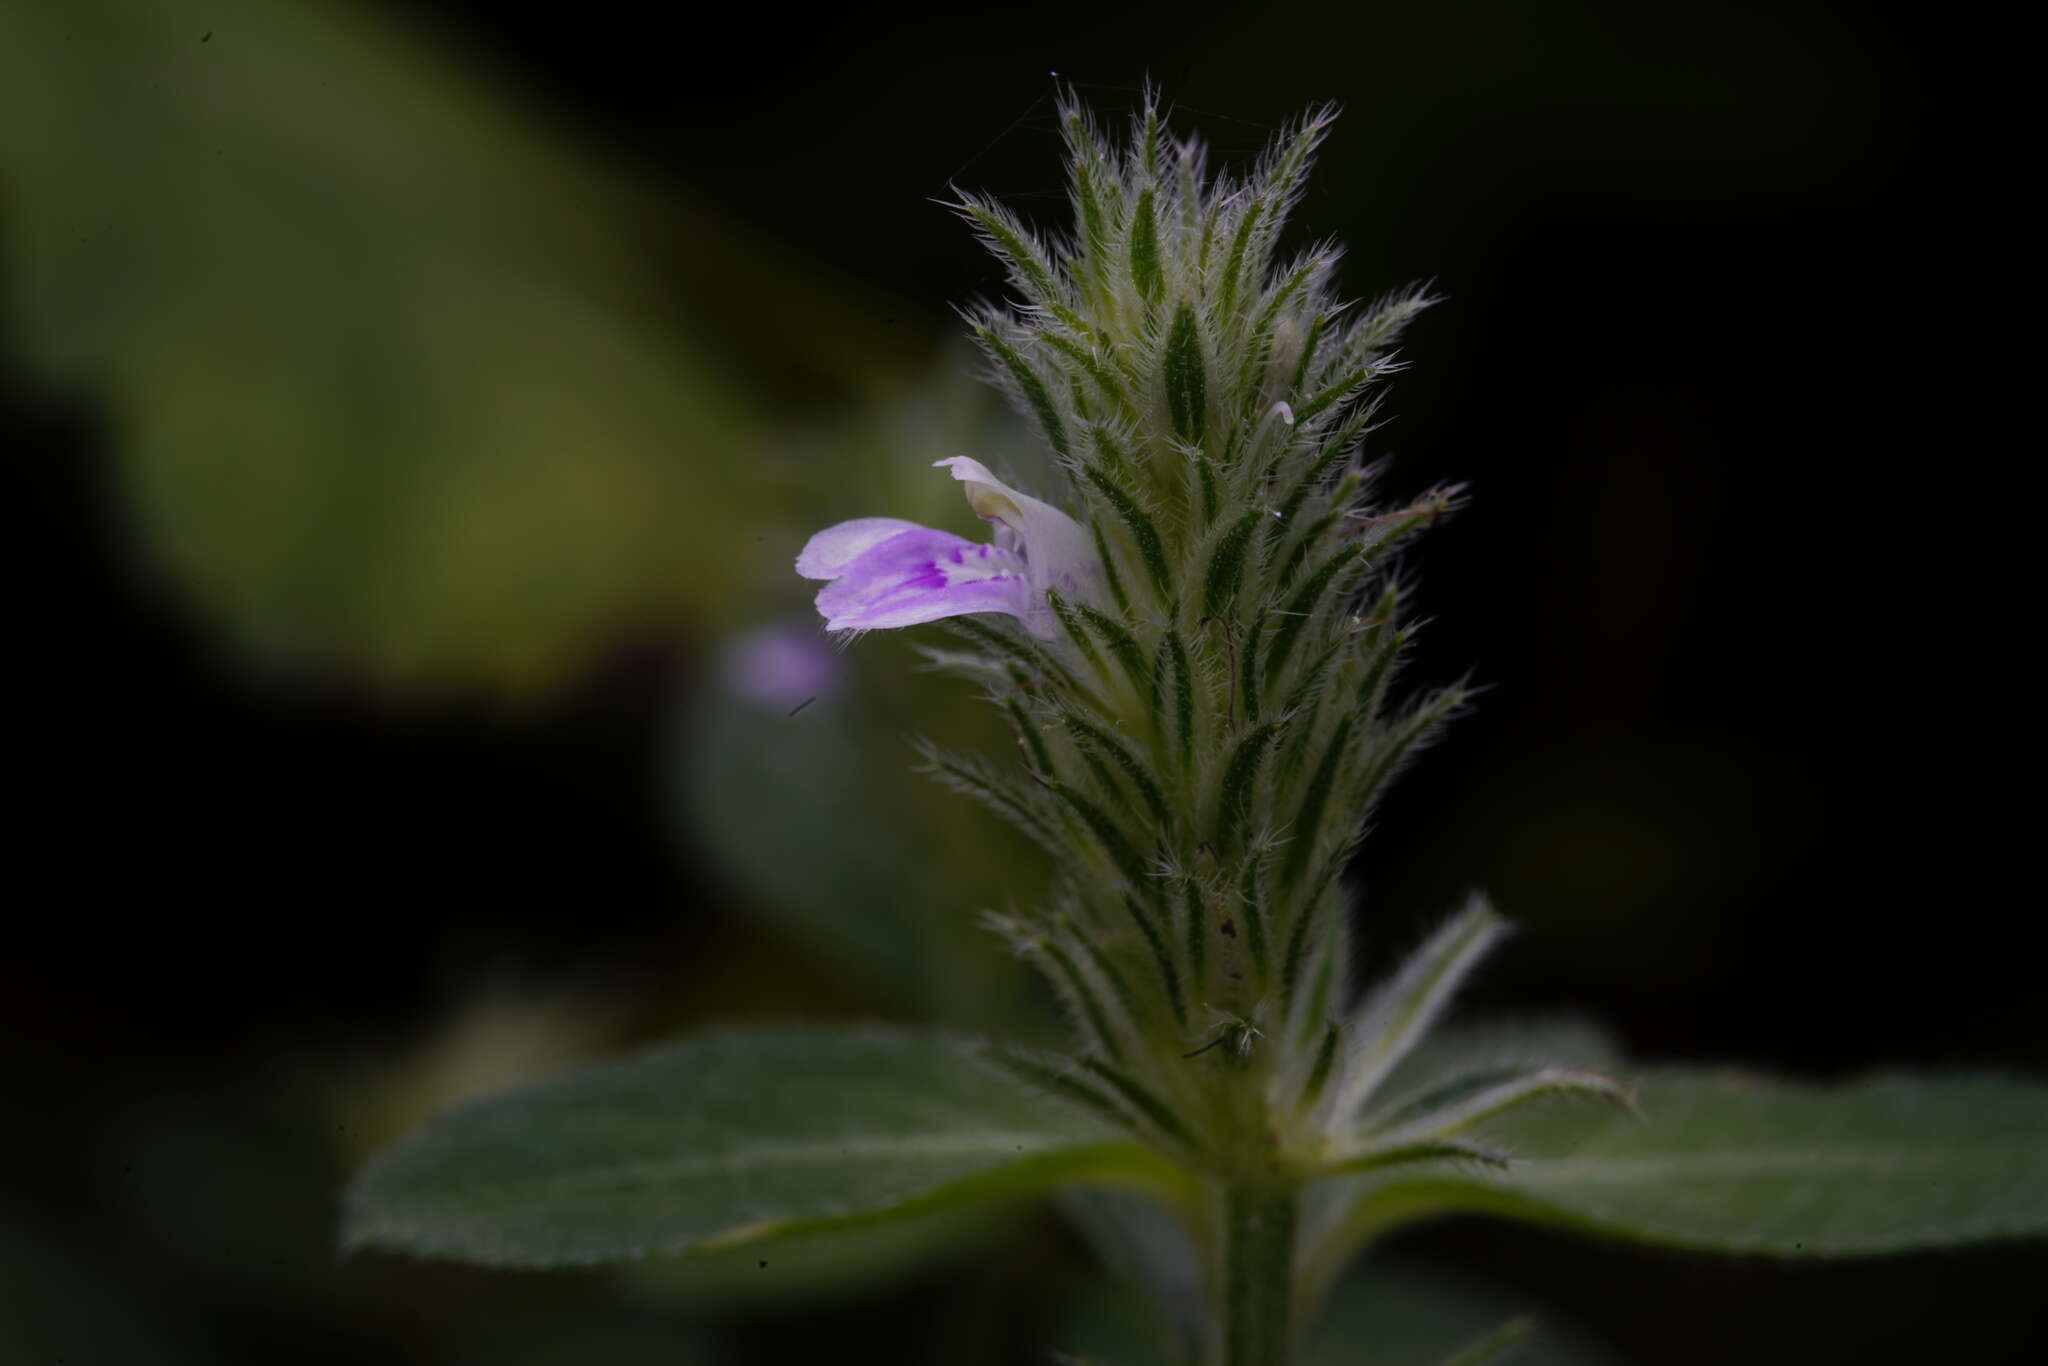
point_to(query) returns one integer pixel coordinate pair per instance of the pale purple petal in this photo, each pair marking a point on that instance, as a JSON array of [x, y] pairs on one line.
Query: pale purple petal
[[886, 572], [831, 550], [922, 575], [1056, 548]]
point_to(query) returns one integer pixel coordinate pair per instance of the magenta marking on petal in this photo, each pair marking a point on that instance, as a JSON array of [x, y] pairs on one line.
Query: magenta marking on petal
[[903, 581]]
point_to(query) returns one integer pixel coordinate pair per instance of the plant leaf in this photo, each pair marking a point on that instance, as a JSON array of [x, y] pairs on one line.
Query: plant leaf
[[1518, 1043], [1398, 1015], [1493, 1346], [1383, 1313], [717, 1141], [1406, 1314], [1473, 1098], [1730, 1161], [837, 1265], [395, 405], [753, 784]]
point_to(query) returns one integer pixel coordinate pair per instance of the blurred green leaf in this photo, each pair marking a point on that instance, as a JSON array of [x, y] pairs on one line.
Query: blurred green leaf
[[1382, 1314], [217, 1178], [820, 821], [1734, 1162], [396, 380], [57, 1306], [599, 1334], [1563, 1040], [1406, 1315], [787, 804], [1149, 1247], [1492, 1346], [499, 1035], [726, 1140]]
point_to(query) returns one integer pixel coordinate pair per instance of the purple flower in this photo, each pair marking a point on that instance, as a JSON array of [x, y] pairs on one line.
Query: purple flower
[[779, 666], [884, 572]]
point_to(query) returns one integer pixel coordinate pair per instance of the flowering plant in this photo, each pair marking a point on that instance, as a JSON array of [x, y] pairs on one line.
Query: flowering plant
[[1200, 658]]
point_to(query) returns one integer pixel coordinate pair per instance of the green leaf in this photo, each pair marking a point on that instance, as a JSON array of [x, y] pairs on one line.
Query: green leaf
[[1145, 246], [1408, 1315], [60, 1306], [757, 786], [872, 900], [1395, 1153], [838, 1265], [1233, 269], [1466, 1046], [1036, 396], [1012, 244], [1121, 643], [533, 1330], [1308, 821], [1493, 1346], [1142, 529], [1173, 650], [1226, 567], [1477, 1097], [1240, 782], [1381, 1314], [724, 1140], [1730, 1161], [1186, 390], [1094, 737], [1399, 1014]]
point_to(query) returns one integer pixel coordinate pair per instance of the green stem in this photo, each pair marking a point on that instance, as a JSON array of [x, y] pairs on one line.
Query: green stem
[[1254, 1277]]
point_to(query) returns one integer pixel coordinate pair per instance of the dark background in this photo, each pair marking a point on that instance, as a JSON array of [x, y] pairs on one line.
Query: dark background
[[1735, 308]]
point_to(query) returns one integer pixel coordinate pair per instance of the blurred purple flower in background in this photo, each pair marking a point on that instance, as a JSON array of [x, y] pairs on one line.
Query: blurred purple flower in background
[[780, 666], [884, 572]]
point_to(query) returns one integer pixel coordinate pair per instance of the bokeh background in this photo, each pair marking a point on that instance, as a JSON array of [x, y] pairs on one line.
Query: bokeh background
[[411, 410]]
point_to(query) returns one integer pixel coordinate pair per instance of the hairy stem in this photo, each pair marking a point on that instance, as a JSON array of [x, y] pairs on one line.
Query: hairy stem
[[1254, 1271]]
